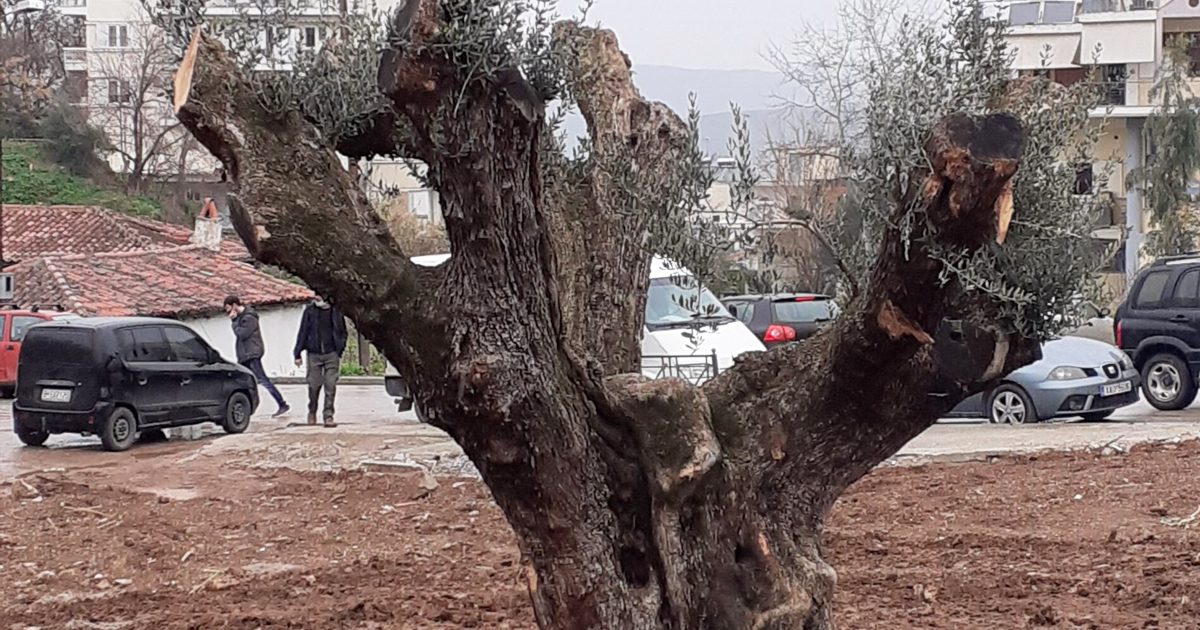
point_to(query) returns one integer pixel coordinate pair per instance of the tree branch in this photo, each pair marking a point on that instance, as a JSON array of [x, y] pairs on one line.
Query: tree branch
[[294, 205], [876, 378]]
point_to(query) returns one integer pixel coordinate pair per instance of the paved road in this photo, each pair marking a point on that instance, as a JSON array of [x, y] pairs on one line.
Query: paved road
[[370, 427]]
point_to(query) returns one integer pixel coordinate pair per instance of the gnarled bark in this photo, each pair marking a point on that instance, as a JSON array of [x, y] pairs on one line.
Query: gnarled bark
[[639, 504]]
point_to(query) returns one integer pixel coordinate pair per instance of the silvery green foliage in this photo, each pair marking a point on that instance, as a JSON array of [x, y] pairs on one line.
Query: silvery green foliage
[[1173, 134], [1049, 258]]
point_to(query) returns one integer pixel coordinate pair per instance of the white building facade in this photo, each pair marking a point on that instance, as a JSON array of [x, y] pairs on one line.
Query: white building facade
[[116, 41], [1123, 42]]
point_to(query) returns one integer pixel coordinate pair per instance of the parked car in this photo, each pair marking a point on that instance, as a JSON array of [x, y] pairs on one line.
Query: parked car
[[114, 377], [1097, 324], [1158, 325], [1075, 377], [785, 317], [688, 334], [14, 323]]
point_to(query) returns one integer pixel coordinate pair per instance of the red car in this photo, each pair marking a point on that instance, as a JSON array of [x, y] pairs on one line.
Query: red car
[[14, 323]]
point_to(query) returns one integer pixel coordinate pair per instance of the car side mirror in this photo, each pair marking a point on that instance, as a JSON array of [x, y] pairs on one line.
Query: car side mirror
[[733, 310], [113, 363], [1106, 312]]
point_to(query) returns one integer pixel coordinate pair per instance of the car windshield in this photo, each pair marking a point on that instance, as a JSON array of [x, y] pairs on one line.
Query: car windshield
[[45, 346], [804, 311], [676, 301]]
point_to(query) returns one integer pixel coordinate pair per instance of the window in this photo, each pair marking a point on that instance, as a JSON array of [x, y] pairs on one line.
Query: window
[[193, 195], [1114, 77], [310, 37], [274, 36], [804, 311], [20, 326], [57, 346], [118, 91], [1150, 295], [676, 301], [144, 345], [1187, 290], [1084, 179], [186, 346], [118, 36], [3, 320], [744, 311], [1190, 43], [1022, 13], [75, 87]]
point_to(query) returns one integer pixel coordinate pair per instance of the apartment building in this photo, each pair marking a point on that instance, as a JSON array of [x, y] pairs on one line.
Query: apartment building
[[1122, 41], [118, 66]]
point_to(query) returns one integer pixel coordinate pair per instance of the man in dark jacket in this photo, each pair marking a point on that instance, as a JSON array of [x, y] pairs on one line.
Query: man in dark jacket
[[323, 336], [250, 348]]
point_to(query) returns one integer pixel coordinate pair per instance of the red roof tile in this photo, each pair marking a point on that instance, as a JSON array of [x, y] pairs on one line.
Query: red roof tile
[[187, 281], [35, 231]]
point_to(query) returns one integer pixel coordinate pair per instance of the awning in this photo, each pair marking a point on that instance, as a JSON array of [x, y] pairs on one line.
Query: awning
[[1119, 42], [1059, 50]]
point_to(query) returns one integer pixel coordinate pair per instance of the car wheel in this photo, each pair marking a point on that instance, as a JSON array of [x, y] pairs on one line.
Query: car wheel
[[1098, 416], [1010, 405], [1168, 383], [32, 438], [119, 431], [237, 414]]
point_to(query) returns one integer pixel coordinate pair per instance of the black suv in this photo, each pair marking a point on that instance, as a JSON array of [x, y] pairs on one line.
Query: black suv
[[1158, 325], [114, 377], [783, 317]]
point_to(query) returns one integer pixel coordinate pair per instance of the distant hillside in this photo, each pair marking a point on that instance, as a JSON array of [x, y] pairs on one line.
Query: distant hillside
[[714, 89], [755, 91]]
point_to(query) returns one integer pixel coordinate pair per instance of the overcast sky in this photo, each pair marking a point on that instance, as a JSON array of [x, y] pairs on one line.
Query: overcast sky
[[717, 34]]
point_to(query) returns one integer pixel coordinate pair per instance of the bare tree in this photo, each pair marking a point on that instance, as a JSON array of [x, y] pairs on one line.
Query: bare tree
[[416, 236], [650, 504], [129, 101], [31, 59]]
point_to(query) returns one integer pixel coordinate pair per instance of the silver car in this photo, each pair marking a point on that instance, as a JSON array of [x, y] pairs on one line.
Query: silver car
[[1075, 377]]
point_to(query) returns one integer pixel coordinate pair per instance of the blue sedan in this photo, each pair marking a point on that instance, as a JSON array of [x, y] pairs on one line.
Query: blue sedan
[[1075, 377]]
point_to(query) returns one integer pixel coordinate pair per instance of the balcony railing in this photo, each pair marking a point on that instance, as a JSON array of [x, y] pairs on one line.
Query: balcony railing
[[74, 56], [695, 369], [1114, 6], [72, 4]]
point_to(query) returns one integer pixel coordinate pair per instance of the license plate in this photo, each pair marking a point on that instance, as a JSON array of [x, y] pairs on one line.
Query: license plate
[[56, 395], [1118, 388]]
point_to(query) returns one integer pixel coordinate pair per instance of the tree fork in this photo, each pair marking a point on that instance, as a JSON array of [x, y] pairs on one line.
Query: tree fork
[[639, 504]]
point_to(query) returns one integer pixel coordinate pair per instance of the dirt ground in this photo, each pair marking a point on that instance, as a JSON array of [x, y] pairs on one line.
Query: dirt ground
[[1053, 541]]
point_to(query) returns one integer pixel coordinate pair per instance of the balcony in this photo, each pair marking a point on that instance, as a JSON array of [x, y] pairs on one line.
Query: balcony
[[1034, 12], [75, 59], [1117, 6], [71, 7], [28, 6]]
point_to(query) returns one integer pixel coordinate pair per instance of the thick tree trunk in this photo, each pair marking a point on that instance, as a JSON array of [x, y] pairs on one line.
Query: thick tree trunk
[[638, 504]]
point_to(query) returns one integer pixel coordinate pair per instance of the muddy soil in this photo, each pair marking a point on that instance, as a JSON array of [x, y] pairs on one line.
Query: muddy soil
[[1054, 541]]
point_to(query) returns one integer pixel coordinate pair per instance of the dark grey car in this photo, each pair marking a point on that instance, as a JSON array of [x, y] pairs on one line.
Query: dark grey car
[[783, 317]]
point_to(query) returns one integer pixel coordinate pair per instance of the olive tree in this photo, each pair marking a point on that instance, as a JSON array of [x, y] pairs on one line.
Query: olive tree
[[1173, 133], [648, 503]]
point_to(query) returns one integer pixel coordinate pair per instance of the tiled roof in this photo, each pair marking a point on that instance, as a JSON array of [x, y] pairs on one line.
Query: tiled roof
[[187, 281], [36, 231]]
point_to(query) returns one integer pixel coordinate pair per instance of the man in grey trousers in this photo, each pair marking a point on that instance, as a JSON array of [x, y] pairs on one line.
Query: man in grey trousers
[[323, 338]]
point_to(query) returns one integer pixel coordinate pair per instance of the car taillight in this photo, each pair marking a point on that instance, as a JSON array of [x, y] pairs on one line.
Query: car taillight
[[1118, 334], [780, 333], [806, 298]]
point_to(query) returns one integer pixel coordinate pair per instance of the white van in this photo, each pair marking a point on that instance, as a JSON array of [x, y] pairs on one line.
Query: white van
[[688, 332]]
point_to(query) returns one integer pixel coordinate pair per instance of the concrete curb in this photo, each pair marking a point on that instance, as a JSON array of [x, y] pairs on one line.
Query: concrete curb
[[365, 381]]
